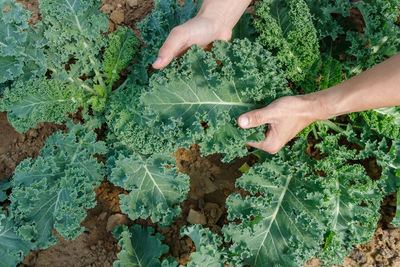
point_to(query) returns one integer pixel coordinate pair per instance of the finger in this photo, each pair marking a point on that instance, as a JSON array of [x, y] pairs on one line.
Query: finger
[[270, 144], [254, 118], [175, 44]]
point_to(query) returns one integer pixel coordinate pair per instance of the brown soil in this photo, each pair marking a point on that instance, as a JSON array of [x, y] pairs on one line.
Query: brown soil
[[211, 182], [15, 147]]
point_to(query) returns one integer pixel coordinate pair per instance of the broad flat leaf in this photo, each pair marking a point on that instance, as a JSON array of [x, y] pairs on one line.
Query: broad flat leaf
[[13, 247], [284, 225], [155, 189], [140, 247], [54, 190]]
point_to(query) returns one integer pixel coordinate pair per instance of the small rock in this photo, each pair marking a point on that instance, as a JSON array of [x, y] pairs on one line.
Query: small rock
[[196, 217], [102, 216], [387, 253], [118, 16], [132, 3], [107, 8], [33, 133], [115, 220]]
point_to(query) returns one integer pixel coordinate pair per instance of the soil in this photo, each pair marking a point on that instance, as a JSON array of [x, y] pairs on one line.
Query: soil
[[15, 147], [211, 181]]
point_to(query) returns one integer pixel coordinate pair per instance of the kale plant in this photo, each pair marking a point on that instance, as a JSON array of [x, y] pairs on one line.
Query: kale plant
[[286, 209]]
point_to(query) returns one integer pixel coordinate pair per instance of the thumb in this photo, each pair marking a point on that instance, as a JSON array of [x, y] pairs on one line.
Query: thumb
[[254, 118], [175, 44]]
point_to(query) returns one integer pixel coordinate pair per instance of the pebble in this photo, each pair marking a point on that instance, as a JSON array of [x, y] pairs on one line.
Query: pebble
[[196, 217], [115, 220], [132, 3], [118, 16], [107, 8], [102, 216]]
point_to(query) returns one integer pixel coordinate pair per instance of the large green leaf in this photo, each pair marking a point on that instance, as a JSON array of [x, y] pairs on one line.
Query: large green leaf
[[285, 27], [40, 100], [207, 90], [155, 187], [283, 220], [140, 247], [207, 244], [73, 29], [156, 27], [119, 53], [13, 247], [20, 44], [54, 190]]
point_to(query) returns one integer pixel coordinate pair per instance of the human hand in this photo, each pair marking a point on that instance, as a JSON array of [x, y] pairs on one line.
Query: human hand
[[200, 30], [214, 21], [285, 117]]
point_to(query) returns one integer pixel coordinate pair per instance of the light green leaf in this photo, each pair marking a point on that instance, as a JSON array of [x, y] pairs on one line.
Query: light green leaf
[[207, 247], [55, 190], [13, 247], [284, 224], [156, 189], [140, 247]]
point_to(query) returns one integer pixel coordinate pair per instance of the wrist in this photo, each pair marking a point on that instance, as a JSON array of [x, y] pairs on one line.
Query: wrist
[[223, 14], [320, 105]]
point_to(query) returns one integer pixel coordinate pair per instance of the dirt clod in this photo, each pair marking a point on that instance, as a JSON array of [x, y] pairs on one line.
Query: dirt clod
[[196, 217], [115, 220]]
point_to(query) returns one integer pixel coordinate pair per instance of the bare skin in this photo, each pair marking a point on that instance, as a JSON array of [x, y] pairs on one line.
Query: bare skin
[[376, 88]]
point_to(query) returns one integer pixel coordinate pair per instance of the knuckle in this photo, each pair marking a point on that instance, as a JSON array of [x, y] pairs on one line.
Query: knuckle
[[257, 118], [176, 31]]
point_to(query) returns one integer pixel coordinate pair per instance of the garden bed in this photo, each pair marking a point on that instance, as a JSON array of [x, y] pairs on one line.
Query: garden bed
[[211, 182]]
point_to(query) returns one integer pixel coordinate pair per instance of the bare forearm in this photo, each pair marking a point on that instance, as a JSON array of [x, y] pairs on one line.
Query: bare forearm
[[377, 87]]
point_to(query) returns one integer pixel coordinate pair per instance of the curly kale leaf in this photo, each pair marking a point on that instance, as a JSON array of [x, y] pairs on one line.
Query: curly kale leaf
[[244, 28], [21, 46], [354, 200], [141, 247], [119, 53], [207, 247], [55, 190], [283, 221], [323, 13], [73, 30], [132, 127], [155, 28], [156, 189], [13, 247], [285, 28], [379, 39], [385, 121], [4, 186], [205, 92], [40, 100], [325, 72]]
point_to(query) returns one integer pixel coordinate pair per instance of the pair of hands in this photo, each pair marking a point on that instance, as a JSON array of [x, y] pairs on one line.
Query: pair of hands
[[286, 116]]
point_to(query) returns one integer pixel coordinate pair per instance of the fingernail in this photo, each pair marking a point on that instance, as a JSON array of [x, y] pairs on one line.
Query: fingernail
[[157, 62], [243, 121]]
